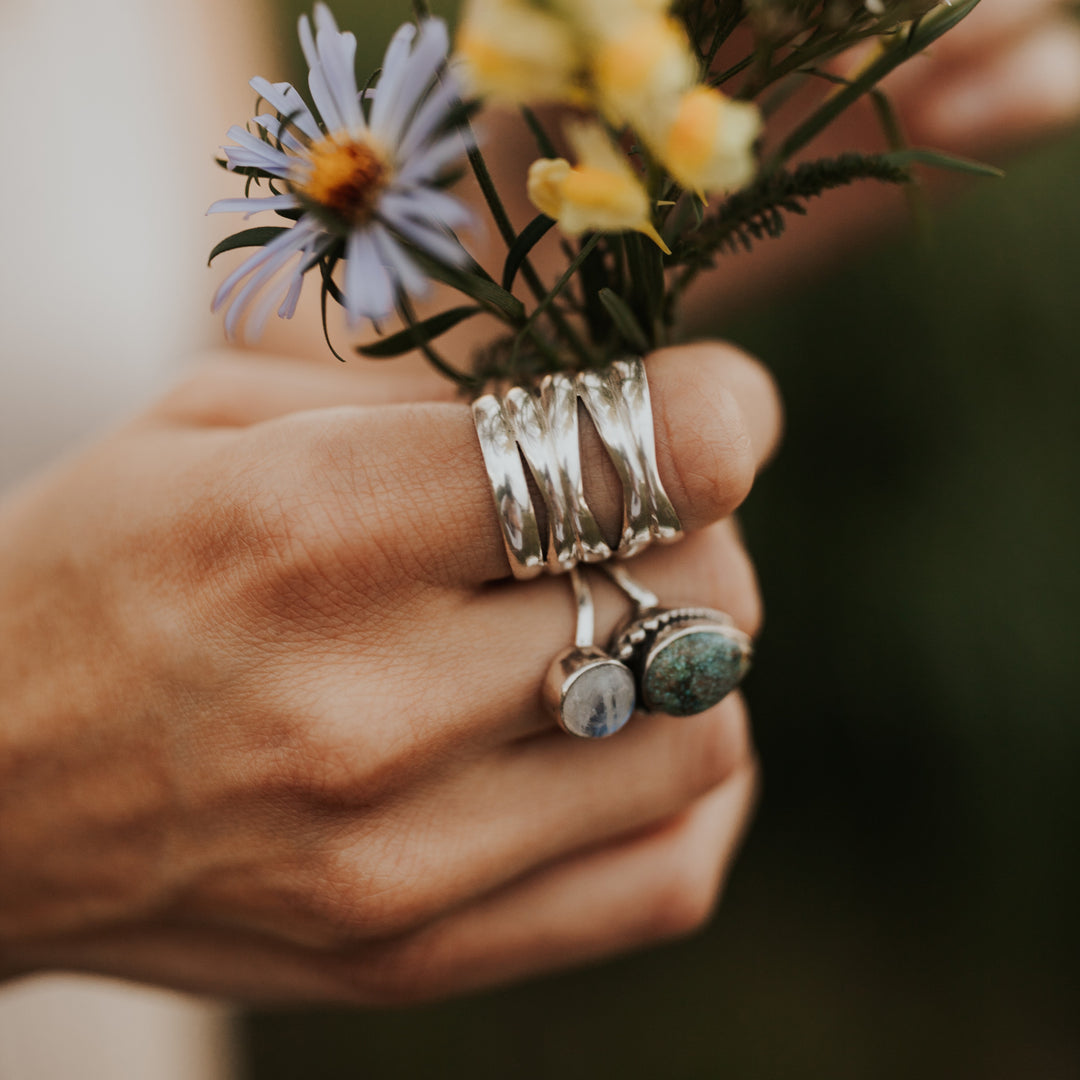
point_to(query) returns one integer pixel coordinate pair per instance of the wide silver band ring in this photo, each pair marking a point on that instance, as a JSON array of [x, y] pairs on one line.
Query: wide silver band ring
[[540, 424]]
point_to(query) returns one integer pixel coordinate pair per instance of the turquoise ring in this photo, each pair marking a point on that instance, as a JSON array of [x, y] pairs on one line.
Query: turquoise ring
[[684, 660]]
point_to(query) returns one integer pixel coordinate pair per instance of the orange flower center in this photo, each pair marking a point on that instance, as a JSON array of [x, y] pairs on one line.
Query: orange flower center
[[346, 177]]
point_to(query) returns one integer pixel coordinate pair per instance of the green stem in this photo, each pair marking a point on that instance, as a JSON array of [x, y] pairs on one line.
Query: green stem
[[543, 140], [557, 288], [509, 235], [443, 366], [922, 33]]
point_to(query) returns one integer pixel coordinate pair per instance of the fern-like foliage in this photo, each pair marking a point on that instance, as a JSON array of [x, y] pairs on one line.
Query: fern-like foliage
[[758, 212]]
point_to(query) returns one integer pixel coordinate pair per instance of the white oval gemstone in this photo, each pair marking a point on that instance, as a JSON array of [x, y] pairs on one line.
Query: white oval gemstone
[[599, 701]]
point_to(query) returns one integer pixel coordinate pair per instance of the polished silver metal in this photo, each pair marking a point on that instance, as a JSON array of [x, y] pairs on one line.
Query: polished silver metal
[[540, 424], [684, 660], [617, 398], [544, 421], [513, 503], [589, 693]]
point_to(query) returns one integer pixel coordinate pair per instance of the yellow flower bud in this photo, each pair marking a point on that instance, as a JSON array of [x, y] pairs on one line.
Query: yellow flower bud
[[603, 17], [709, 145], [600, 194], [640, 71], [514, 53]]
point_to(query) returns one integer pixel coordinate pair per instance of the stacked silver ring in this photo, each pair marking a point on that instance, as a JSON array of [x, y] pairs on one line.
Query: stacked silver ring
[[678, 661], [540, 424]]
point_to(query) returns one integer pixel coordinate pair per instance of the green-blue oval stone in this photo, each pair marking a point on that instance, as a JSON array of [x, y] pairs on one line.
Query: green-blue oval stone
[[692, 673]]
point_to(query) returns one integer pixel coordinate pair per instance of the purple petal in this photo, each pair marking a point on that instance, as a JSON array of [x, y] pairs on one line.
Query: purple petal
[[273, 294], [426, 164], [445, 208], [411, 278], [428, 118], [292, 297], [427, 58], [395, 70], [276, 129], [307, 42], [285, 99], [272, 159], [247, 207], [435, 242], [368, 288], [324, 100], [339, 70], [297, 237]]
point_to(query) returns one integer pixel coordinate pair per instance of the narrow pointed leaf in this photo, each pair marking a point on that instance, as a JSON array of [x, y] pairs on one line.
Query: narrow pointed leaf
[[470, 282], [259, 237], [938, 159], [527, 239], [419, 334], [922, 33], [624, 321]]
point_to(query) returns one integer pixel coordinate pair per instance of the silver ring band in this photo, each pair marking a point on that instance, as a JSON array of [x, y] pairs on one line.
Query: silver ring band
[[618, 402], [540, 424], [513, 503]]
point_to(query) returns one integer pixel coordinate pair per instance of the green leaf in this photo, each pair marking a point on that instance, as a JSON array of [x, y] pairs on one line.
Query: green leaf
[[259, 237], [543, 142], [906, 44], [938, 159], [419, 334], [624, 320], [473, 282], [527, 239]]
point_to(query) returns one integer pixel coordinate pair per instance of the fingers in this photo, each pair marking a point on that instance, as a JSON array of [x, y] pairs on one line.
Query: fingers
[[1029, 87], [409, 481], [709, 568], [640, 891], [236, 389], [505, 815]]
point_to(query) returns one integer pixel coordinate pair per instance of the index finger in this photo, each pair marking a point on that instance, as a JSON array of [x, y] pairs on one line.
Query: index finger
[[413, 478]]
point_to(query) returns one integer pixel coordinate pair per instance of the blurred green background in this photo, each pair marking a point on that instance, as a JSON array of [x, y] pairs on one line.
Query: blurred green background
[[907, 902]]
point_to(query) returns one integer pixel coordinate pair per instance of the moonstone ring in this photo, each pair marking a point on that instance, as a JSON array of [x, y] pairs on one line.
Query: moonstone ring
[[591, 694]]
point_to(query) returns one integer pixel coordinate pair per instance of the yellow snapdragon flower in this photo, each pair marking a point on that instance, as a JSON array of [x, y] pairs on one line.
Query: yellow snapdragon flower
[[600, 194], [640, 72], [709, 144], [513, 53], [602, 18]]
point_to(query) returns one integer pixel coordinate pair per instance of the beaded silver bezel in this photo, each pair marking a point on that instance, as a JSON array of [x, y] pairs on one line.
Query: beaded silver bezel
[[639, 641]]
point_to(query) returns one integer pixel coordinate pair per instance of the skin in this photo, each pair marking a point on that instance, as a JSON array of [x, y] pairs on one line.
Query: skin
[[282, 738], [269, 723]]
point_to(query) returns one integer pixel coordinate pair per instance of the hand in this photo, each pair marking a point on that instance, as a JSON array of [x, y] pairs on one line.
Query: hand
[[1007, 75], [269, 718]]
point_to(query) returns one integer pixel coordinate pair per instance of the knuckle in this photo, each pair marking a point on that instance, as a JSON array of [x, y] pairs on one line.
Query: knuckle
[[388, 974], [388, 897], [714, 467], [683, 897], [725, 577], [208, 396], [715, 745]]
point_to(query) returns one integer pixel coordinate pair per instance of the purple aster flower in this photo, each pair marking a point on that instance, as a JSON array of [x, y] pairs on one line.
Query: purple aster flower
[[361, 177]]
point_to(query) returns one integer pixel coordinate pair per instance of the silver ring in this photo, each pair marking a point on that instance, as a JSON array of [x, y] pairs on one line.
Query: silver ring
[[513, 503], [545, 423], [591, 694], [618, 401], [540, 424], [684, 660]]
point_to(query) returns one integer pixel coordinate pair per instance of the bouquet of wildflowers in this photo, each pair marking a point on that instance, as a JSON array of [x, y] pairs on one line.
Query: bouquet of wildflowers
[[656, 154]]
